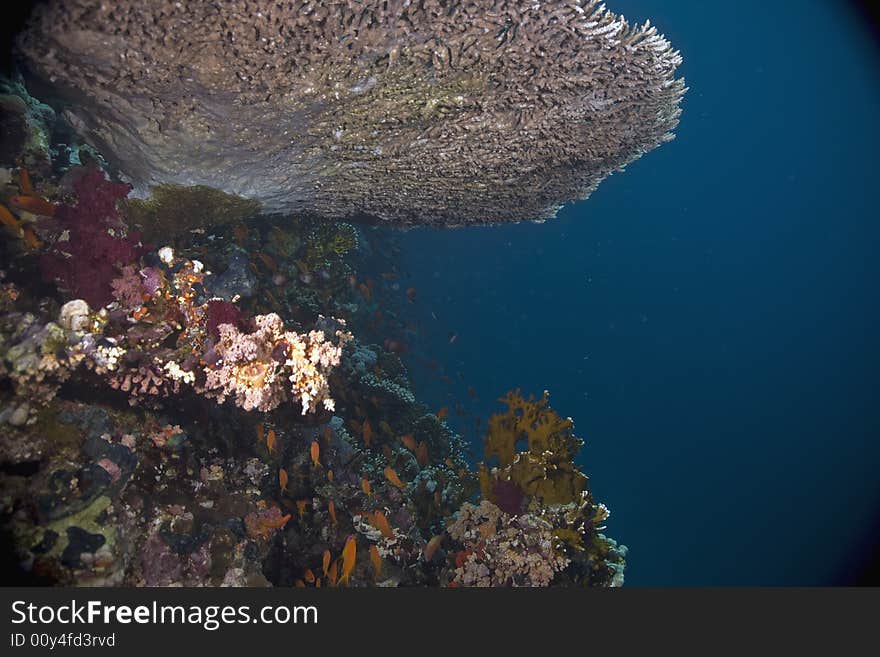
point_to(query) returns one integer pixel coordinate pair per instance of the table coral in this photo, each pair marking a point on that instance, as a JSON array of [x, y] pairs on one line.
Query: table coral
[[448, 113]]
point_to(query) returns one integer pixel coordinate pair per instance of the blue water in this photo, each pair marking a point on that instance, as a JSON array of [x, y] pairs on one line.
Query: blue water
[[709, 318]]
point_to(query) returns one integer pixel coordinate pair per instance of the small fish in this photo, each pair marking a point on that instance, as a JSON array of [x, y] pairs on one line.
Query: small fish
[[409, 442], [30, 237], [7, 218], [270, 440], [365, 486], [329, 475], [438, 498], [301, 507], [140, 313], [24, 182], [34, 204], [391, 475], [282, 479], [365, 291], [309, 576], [380, 522], [453, 336], [376, 559], [318, 583], [432, 547], [261, 433], [422, 454], [328, 434], [395, 346], [411, 294], [331, 509], [367, 433], [299, 584], [316, 453], [240, 232], [326, 563], [333, 573], [349, 555], [269, 262], [442, 413]]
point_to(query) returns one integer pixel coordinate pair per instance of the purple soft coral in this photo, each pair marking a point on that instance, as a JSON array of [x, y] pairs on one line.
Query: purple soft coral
[[97, 244]]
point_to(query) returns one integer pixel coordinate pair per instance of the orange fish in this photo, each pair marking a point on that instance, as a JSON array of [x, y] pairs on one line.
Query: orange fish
[[380, 522], [240, 232], [6, 217], [301, 507], [329, 475], [30, 237], [365, 486], [365, 291], [282, 479], [331, 508], [299, 584], [333, 573], [266, 260], [432, 547], [349, 555], [34, 204], [316, 452], [328, 434], [367, 433], [376, 559], [409, 442], [261, 435], [270, 440], [422, 454], [442, 413], [309, 576], [140, 313], [391, 475], [24, 182], [411, 294], [326, 563], [277, 524], [318, 583]]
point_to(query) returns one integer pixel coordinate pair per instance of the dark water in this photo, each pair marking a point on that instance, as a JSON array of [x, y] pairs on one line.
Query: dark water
[[709, 318]]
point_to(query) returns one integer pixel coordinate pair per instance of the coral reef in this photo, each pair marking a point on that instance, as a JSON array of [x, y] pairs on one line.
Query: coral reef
[[433, 112], [166, 425]]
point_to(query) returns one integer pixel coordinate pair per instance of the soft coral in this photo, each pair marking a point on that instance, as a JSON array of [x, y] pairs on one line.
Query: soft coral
[[97, 243]]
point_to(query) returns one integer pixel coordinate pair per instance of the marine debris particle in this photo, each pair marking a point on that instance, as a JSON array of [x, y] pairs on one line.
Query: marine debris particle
[[445, 113]]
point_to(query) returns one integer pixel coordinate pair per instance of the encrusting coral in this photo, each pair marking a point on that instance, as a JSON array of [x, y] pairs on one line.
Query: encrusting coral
[[438, 112], [504, 550]]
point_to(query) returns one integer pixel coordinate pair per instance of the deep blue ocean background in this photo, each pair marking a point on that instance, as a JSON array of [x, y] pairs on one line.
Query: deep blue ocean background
[[709, 317]]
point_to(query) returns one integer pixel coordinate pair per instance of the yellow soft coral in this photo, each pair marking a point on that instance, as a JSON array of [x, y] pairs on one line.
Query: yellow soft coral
[[545, 468]]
